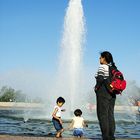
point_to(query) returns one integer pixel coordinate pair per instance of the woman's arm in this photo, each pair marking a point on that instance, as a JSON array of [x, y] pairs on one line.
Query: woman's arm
[[99, 81], [99, 77]]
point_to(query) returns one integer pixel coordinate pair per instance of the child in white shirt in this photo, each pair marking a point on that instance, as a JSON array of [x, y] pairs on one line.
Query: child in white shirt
[[78, 124], [56, 116]]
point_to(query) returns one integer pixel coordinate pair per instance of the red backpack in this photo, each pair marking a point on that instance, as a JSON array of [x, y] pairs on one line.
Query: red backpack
[[115, 83]]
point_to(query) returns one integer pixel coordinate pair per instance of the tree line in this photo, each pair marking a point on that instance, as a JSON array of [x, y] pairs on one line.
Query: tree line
[[8, 94]]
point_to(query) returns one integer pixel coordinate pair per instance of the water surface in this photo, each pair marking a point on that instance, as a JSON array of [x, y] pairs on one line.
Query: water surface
[[39, 127]]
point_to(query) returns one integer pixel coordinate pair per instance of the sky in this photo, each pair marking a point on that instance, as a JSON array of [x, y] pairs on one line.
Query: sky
[[31, 32]]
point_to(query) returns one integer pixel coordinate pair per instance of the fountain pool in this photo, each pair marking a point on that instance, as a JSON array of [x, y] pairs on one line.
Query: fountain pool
[[12, 122]]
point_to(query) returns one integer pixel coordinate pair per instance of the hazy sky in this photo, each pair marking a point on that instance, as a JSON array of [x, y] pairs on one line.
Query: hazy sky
[[31, 31]]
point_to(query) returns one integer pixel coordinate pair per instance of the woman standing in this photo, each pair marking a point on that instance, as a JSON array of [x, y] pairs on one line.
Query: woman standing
[[105, 99]]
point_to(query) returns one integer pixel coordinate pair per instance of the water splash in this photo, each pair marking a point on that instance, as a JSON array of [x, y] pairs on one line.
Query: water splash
[[70, 71]]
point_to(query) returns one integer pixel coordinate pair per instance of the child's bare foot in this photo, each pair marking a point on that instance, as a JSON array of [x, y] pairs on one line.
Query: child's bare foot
[[58, 135]]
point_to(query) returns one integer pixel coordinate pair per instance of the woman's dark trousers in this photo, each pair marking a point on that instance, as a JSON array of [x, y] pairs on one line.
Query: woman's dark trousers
[[105, 114]]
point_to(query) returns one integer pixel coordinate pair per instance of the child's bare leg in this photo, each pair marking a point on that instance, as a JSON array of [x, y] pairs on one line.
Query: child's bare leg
[[58, 134], [61, 131]]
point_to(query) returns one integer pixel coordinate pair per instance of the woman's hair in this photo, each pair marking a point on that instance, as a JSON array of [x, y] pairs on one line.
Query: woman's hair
[[108, 57], [77, 112]]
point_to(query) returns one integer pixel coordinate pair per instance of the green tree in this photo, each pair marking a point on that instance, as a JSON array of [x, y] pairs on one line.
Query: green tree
[[8, 94]]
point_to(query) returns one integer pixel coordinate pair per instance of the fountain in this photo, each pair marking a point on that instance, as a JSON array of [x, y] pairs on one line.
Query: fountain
[[70, 67], [69, 82]]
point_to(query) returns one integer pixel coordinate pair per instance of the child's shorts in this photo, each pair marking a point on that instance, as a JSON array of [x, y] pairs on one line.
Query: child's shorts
[[78, 132], [57, 124]]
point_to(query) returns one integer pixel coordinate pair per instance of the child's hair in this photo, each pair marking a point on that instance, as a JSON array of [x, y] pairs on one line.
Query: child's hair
[[77, 112], [60, 100]]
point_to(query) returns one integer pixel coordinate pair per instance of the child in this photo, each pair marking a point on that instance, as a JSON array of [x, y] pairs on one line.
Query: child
[[57, 122], [78, 124]]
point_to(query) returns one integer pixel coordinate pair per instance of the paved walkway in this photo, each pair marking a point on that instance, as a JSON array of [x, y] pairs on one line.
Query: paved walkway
[[10, 137]]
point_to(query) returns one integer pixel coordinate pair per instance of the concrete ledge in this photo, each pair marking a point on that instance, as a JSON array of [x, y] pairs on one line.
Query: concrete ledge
[[131, 108], [20, 105], [39, 105], [10, 137]]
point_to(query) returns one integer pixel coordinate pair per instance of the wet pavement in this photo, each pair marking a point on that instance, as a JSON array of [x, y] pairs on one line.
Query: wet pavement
[[10, 137]]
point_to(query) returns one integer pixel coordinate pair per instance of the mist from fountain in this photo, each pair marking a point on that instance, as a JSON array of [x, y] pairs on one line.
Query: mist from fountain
[[69, 82]]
